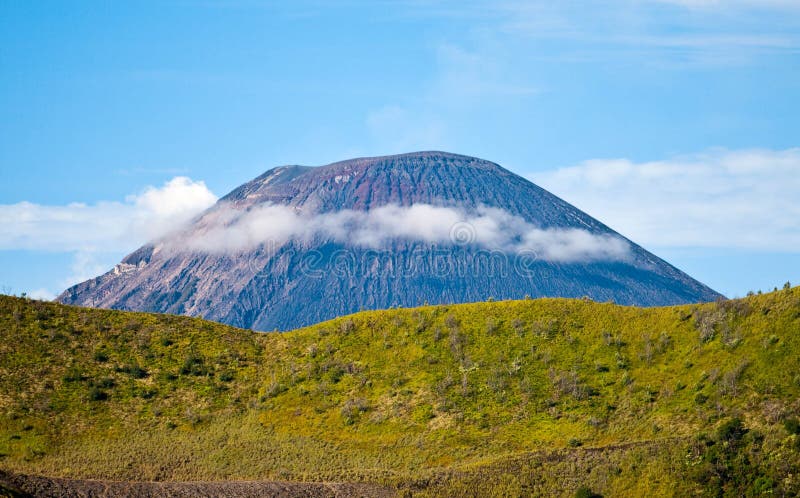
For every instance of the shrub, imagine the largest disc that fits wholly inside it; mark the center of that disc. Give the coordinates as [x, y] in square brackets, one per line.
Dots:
[193, 417]
[334, 371]
[707, 322]
[647, 352]
[194, 365]
[731, 338]
[731, 431]
[421, 322]
[519, 327]
[569, 384]
[585, 492]
[134, 371]
[274, 389]
[792, 425]
[106, 383]
[497, 380]
[424, 413]
[73, 375]
[729, 383]
[347, 326]
[97, 394]
[352, 408]
[457, 343]
[762, 486]
[399, 381]
[664, 342]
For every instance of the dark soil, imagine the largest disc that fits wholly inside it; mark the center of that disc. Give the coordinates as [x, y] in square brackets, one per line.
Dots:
[18, 486]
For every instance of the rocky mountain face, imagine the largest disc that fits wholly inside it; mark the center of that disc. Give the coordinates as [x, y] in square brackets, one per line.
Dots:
[300, 244]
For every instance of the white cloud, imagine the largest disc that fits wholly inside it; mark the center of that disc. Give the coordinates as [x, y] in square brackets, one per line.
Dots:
[97, 234]
[158, 211]
[87, 264]
[727, 4]
[686, 33]
[103, 226]
[43, 294]
[229, 230]
[732, 199]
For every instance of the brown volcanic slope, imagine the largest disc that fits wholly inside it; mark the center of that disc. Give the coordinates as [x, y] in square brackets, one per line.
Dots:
[268, 287]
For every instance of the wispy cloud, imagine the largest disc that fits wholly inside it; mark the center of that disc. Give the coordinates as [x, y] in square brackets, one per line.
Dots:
[732, 199]
[110, 225]
[96, 234]
[664, 33]
[43, 294]
[504, 51]
[230, 230]
[464, 75]
[87, 264]
[396, 129]
[462, 79]
[729, 4]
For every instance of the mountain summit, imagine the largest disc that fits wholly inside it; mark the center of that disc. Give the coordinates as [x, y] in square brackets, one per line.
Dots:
[300, 244]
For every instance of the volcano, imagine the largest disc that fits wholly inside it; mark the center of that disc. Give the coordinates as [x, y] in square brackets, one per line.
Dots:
[301, 244]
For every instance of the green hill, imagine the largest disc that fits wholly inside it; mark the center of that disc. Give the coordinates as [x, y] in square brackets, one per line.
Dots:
[520, 397]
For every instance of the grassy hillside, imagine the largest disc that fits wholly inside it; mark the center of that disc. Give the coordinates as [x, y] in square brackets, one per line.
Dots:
[536, 396]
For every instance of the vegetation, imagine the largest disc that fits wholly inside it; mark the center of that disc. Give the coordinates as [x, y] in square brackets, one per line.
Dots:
[548, 396]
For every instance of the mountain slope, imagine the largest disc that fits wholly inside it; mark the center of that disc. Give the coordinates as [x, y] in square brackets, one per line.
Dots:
[507, 239]
[513, 398]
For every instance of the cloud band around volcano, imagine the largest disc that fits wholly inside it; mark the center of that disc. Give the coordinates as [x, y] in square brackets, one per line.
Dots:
[226, 229]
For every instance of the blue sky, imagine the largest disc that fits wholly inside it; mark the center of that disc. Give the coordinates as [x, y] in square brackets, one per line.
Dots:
[674, 122]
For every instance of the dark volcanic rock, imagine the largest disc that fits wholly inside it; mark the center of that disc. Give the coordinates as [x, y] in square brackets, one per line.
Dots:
[22, 486]
[301, 282]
